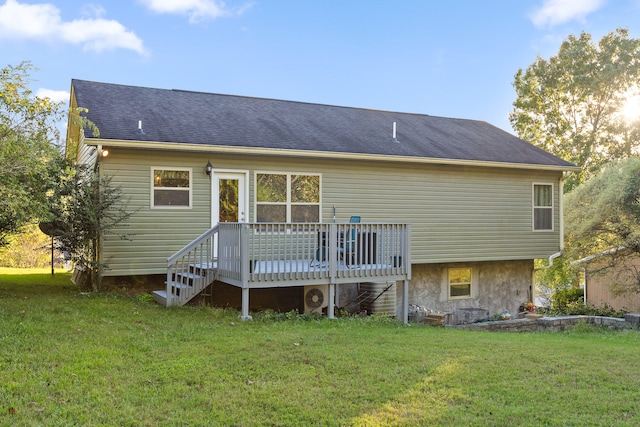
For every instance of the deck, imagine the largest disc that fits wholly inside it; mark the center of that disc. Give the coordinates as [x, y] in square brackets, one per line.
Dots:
[266, 255]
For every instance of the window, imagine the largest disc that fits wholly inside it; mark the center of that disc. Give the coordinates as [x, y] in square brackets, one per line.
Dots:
[170, 188]
[542, 207]
[459, 283]
[287, 197]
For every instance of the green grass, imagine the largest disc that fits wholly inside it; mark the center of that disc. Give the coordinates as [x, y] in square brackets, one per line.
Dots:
[72, 358]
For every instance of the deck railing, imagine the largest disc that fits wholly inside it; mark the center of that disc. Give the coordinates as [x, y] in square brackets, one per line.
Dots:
[258, 255]
[264, 255]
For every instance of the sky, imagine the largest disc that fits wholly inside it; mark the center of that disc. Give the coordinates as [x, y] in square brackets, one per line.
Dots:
[451, 58]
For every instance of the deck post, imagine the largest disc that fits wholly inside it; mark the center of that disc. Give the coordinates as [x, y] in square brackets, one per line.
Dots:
[244, 270]
[333, 252]
[169, 300]
[405, 302]
[245, 305]
[331, 305]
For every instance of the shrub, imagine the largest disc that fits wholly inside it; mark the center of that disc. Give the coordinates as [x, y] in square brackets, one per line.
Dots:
[561, 298]
[577, 308]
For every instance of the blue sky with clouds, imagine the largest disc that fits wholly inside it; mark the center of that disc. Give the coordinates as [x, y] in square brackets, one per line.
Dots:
[453, 58]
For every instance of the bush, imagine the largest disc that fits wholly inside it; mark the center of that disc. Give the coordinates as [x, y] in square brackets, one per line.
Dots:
[577, 308]
[562, 298]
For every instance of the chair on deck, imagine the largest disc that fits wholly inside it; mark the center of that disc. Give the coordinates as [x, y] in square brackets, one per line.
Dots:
[347, 246]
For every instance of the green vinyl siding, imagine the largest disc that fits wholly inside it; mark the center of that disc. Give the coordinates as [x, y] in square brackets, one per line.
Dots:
[154, 234]
[87, 155]
[458, 214]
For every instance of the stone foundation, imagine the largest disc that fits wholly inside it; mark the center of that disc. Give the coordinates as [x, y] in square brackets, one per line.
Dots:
[497, 287]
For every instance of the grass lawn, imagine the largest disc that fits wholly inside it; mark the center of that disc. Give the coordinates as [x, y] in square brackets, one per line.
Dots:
[72, 358]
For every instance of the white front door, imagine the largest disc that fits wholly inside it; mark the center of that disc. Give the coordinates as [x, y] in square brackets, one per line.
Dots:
[229, 197]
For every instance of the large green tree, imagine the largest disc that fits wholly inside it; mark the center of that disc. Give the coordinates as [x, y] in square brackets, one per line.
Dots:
[572, 103]
[603, 217]
[29, 150]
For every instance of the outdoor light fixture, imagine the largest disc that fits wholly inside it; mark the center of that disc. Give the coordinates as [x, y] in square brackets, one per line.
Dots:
[208, 168]
[105, 152]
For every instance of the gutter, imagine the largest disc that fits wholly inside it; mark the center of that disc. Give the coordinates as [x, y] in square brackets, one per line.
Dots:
[204, 148]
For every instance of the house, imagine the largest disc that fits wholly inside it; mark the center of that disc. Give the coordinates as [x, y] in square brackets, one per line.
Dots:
[608, 271]
[261, 193]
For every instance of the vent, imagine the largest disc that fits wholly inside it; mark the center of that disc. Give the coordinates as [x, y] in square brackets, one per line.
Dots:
[315, 298]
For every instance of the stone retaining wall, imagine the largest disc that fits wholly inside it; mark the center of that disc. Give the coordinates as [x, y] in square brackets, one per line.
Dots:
[630, 321]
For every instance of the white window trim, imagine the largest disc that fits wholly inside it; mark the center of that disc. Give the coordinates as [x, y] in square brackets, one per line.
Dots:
[288, 203]
[471, 284]
[153, 188]
[534, 207]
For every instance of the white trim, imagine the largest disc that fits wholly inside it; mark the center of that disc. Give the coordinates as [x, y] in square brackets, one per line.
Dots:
[534, 207]
[288, 203]
[244, 194]
[152, 170]
[212, 149]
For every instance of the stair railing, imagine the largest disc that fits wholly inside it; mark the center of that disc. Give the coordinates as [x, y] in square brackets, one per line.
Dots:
[192, 268]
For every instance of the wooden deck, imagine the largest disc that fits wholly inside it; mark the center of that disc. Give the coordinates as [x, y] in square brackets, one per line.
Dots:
[266, 255]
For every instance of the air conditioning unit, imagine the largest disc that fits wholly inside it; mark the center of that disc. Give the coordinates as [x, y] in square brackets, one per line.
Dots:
[316, 298]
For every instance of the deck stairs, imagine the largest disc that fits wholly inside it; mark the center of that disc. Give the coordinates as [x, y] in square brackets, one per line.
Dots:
[186, 285]
[189, 271]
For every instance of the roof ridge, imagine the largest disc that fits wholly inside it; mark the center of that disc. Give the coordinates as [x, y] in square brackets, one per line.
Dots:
[264, 98]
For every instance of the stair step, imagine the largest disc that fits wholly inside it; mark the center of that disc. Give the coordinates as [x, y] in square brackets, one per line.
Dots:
[192, 280]
[189, 280]
[160, 297]
[188, 275]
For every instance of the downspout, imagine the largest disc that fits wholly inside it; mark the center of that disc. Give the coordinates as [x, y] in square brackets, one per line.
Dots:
[561, 231]
[96, 164]
[96, 280]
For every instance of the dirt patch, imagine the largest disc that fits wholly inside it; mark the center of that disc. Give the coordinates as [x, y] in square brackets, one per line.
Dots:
[134, 285]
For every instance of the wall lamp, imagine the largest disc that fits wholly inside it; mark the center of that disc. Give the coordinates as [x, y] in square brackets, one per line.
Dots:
[104, 152]
[208, 168]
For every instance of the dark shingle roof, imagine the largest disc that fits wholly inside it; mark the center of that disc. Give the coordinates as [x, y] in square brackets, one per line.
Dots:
[223, 120]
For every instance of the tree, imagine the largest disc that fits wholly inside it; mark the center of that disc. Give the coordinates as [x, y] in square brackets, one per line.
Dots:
[572, 104]
[29, 248]
[551, 279]
[28, 150]
[603, 217]
[85, 208]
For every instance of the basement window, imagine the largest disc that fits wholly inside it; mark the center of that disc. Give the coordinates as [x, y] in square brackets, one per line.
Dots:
[542, 207]
[171, 188]
[459, 283]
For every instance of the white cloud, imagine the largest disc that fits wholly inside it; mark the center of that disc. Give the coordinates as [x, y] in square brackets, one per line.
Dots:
[54, 95]
[43, 22]
[100, 34]
[554, 12]
[196, 10]
[93, 10]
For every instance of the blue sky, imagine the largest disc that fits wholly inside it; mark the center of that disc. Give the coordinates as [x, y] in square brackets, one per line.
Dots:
[453, 58]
